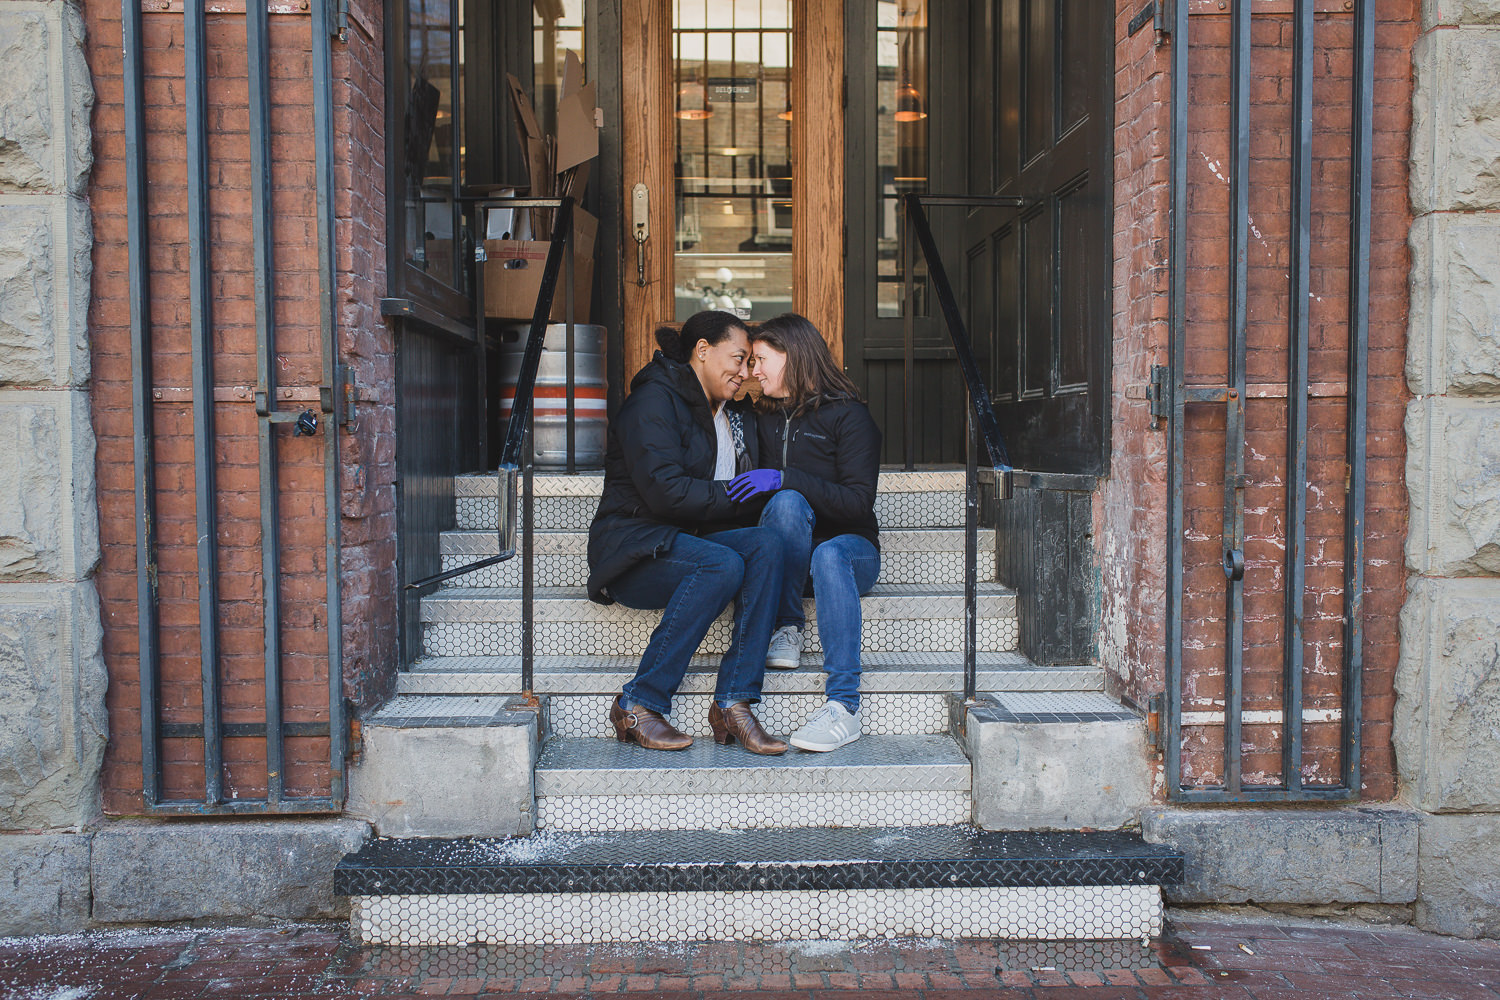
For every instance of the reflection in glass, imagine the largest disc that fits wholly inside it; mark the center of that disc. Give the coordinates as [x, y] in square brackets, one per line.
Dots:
[556, 29]
[901, 141]
[434, 138]
[732, 62]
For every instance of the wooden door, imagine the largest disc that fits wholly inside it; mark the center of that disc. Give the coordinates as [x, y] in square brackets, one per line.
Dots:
[719, 129]
[1038, 280]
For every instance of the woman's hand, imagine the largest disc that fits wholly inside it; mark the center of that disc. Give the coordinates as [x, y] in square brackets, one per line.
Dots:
[753, 483]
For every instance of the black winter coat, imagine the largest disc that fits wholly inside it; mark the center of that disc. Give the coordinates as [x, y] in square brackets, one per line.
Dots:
[831, 455]
[658, 473]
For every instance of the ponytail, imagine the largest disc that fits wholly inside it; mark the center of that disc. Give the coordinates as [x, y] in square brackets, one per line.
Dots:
[712, 325]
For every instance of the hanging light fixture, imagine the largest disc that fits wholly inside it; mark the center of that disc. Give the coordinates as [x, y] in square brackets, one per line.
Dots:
[786, 112]
[692, 101]
[909, 104]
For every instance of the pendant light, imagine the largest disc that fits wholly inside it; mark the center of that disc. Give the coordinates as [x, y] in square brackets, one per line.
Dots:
[693, 104]
[692, 101]
[786, 112]
[909, 104]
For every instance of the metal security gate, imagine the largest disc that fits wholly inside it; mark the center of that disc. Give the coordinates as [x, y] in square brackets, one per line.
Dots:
[1265, 397]
[184, 730]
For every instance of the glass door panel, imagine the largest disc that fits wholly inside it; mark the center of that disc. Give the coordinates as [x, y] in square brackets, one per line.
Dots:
[901, 144]
[732, 131]
[434, 138]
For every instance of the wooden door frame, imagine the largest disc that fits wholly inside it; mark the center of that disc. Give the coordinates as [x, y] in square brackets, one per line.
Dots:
[817, 170]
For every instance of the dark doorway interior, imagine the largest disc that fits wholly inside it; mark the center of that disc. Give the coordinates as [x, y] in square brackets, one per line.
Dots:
[1018, 102]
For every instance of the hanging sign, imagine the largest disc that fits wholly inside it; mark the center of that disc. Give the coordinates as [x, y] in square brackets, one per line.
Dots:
[733, 89]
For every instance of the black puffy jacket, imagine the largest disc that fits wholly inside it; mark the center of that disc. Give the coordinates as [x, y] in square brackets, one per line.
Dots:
[659, 473]
[831, 455]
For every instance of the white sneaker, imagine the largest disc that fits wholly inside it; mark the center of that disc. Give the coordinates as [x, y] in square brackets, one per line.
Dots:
[830, 727]
[785, 651]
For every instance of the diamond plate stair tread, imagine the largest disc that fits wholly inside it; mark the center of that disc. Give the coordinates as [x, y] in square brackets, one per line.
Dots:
[769, 859]
[583, 766]
[884, 601]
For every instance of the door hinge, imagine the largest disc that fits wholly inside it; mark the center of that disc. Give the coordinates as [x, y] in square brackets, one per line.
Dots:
[844, 95]
[1157, 394]
[1154, 704]
[846, 240]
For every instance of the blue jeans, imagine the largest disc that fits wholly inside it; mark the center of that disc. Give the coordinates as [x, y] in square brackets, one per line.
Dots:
[842, 568]
[693, 581]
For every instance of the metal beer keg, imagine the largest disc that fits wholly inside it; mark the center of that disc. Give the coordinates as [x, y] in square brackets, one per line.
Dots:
[549, 428]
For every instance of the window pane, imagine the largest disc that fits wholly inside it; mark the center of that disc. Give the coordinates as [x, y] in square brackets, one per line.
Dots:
[731, 71]
[433, 141]
[901, 141]
[557, 29]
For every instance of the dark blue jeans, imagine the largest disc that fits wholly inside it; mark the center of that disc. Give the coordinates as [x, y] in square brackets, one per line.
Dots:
[842, 568]
[693, 581]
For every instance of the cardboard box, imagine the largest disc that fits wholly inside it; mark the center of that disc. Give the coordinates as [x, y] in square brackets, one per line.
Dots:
[513, 274]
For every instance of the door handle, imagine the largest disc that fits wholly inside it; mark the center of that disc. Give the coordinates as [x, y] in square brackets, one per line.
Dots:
[640, 228]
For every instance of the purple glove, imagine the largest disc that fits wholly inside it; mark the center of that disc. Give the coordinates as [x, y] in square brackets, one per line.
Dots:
[753, 483]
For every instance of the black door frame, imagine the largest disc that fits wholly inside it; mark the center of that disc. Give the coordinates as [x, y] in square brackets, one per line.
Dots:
[1064, 429]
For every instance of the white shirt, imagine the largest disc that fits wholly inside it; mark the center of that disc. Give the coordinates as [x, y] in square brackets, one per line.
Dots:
[724, 464]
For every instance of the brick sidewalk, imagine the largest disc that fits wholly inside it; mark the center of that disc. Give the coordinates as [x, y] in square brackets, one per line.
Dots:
[1197, 958]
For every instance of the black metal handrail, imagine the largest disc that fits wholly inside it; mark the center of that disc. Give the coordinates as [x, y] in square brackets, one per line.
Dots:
[979, 414]
[516, 460]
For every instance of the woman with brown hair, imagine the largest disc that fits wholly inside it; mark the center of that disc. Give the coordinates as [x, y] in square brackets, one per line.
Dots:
[667, 536]
[820, 456]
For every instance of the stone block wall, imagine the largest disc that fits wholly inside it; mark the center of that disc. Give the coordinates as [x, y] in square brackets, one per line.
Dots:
[1447, 724]
[52, 677]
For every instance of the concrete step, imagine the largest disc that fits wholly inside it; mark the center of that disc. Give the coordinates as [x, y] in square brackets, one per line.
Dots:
[486, 622]
[457, 765]
[772, 885]
[923, 499]
[603, 784]
[907, 555]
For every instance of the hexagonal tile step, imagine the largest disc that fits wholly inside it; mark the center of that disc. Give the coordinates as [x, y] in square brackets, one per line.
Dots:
[485, 622]
[907, 555]
[784, 884]
[924, 499]
[603, 784]
[890, 671]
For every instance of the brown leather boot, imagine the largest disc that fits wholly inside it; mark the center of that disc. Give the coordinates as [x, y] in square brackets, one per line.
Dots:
[646, 727]
[737, 722]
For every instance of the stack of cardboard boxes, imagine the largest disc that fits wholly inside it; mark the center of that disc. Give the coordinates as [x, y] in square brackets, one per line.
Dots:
[558, 165]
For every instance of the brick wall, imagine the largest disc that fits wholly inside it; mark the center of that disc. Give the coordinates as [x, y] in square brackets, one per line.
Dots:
[1133, 506]
[367, 501]
[1130, 511]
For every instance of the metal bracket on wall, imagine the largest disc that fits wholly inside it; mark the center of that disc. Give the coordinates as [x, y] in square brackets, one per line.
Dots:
[1146, 13]
[1154, 393]
[1160, 405]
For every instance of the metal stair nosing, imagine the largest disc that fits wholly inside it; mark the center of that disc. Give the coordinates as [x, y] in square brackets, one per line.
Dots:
[706, 860]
